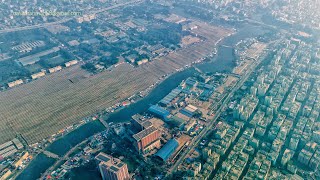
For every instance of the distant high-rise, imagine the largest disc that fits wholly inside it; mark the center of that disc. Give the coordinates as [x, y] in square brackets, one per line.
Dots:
[112, 168]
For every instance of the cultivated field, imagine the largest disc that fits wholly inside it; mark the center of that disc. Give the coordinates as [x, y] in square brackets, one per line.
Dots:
[43, 107]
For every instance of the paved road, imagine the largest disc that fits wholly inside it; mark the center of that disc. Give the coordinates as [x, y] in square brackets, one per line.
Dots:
[67, 19]
[50, 154]
[261, 23]
[224, 104]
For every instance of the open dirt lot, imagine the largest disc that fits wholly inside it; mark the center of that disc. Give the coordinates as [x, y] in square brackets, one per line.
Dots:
[43, 107]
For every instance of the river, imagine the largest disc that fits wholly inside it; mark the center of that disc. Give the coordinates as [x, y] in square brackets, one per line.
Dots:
[37, 166]
[224, 61]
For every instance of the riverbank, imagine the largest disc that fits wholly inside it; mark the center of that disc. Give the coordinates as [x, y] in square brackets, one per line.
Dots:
[62, 145]
[223, 61]
[37, 166]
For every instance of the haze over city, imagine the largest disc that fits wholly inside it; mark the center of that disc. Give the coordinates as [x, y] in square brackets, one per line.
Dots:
[159, 89]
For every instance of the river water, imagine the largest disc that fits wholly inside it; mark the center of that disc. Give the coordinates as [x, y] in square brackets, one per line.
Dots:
[223, 62]
[37, 166]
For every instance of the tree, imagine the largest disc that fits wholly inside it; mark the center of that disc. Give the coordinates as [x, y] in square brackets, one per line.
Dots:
[109, 60]
[89, 67]
[198, 114]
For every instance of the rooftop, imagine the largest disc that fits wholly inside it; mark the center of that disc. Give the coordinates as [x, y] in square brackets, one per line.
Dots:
[103, 157]
[140, 120]
[144, 133]
[110, 162]
[159, 110]
[166, 151]
[174, 93]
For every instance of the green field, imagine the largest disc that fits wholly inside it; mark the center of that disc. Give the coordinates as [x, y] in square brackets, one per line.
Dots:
[34, 68]
[55, 61]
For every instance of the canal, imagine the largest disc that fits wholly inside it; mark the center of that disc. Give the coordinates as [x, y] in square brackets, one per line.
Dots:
[224, 61]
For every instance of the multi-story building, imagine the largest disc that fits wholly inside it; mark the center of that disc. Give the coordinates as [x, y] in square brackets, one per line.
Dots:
[147, 139]
[112, 168]
[140, 123]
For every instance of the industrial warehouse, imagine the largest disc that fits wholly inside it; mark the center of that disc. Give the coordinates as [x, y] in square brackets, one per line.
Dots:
[160, 90]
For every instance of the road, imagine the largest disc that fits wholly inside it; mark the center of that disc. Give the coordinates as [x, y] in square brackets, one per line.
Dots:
[50, 154]
[61, 159]
[210, 126]
[67, 19]
[261, 23]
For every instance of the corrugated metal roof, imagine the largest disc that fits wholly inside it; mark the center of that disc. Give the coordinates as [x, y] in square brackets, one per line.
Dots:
[191, 81]
[4, 145]
[171, 96]
[166, 151]
[159, 110]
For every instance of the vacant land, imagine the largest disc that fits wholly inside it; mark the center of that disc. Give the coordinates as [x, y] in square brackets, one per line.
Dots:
[255, 50]
[43, 107]
[187, 40]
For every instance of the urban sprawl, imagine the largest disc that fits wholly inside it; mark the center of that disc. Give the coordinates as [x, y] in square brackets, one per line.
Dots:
[62, 78]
